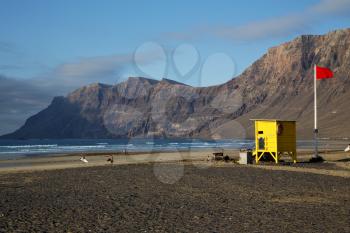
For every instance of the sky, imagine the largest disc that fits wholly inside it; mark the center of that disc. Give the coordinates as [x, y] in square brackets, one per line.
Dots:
[49, 48]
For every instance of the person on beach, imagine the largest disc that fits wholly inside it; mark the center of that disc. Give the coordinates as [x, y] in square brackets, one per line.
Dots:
[110, 159]
[347, 149]
[83, 159]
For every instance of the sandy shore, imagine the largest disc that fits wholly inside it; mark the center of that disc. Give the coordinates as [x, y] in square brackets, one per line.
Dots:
[174, 192]
[339, 160]
[144, 198]
[47, 162]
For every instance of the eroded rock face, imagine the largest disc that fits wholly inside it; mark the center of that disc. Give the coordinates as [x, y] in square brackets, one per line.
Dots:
[278, 85]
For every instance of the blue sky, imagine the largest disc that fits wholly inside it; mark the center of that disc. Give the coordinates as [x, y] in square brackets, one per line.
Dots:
[46, 34]
[53, 47]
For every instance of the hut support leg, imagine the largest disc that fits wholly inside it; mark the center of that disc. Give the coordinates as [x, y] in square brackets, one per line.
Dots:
[257, 157]
[275, 157]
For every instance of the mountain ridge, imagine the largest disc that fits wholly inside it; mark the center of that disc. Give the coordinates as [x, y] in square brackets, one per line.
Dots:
[277, 85]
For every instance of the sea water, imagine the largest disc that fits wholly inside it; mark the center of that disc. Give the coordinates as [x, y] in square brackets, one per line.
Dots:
[32, 147]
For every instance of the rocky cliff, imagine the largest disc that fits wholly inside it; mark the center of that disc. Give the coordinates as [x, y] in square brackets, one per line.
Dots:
[278, 85]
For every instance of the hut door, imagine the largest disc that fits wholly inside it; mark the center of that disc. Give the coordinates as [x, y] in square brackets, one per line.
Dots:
[261, 140]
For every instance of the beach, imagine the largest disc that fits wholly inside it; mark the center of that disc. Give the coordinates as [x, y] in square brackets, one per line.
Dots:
[216, 117]
[173, 192]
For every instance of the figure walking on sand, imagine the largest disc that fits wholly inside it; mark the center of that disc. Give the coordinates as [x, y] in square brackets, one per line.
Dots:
[110, 159]
[83, 159]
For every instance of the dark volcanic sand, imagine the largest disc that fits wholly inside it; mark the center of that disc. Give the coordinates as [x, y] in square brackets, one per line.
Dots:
[129, 198]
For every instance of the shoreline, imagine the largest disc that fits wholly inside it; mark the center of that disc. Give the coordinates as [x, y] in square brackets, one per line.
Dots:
[338, 158]
[72, 160]
[50, 147]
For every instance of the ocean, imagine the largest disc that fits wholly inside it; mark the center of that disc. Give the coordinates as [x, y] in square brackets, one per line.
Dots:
[33, 147]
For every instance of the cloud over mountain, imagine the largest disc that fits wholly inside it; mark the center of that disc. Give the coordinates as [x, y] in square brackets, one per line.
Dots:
[273, 27]
[20, 98]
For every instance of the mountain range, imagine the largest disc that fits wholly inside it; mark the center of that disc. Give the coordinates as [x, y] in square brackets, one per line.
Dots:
[278, 85]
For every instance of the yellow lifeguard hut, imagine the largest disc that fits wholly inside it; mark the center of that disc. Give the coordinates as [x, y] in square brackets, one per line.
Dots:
[273, 138]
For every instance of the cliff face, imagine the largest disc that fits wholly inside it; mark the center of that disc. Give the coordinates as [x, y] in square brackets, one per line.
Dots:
[278, 85]
[283, 78]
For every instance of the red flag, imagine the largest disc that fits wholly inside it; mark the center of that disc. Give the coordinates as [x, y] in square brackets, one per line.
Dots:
[322, 72]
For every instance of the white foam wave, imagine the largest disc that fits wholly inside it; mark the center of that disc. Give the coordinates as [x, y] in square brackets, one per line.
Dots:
[28, 146]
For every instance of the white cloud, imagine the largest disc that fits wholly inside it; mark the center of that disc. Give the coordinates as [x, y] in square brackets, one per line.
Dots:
[331, 7]
[21, 98]
[91, 66]
[103, 69]
[262, 29]
[281, 26]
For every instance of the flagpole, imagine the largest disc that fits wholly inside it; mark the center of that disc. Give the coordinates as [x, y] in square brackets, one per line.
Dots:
[315, 115]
